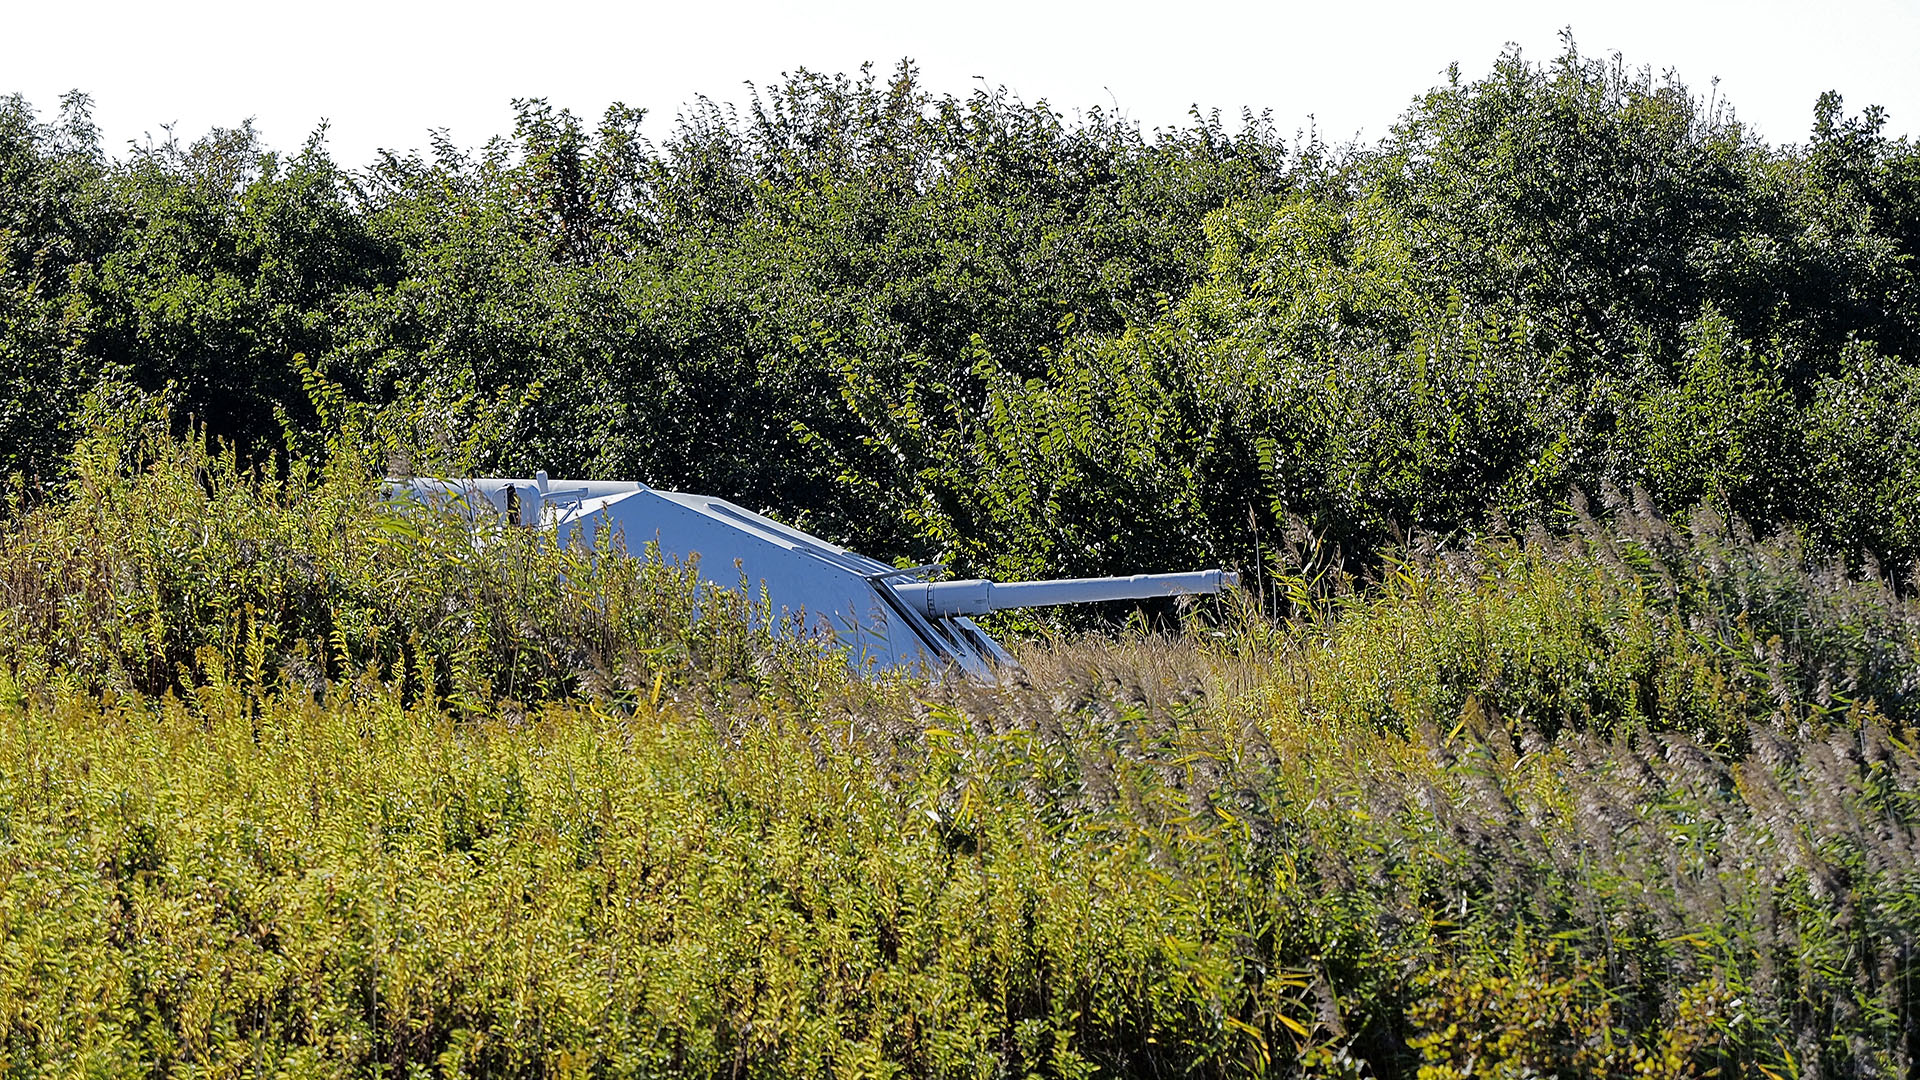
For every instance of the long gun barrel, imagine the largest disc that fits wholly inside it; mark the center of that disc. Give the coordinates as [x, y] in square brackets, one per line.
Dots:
[944, 599]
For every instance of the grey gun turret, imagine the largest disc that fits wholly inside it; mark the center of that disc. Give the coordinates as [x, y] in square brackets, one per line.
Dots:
[886, 617]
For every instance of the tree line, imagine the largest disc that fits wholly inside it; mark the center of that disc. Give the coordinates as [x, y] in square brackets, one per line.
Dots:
[977, 330]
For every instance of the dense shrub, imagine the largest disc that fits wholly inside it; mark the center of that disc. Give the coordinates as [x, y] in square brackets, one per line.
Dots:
[163, 566]
[1626, 623]
[981, 331]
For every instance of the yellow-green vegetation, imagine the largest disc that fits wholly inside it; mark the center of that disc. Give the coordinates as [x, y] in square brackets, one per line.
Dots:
[297, 782]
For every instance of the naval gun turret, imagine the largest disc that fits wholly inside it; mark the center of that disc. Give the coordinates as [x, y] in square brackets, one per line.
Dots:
[885, 616]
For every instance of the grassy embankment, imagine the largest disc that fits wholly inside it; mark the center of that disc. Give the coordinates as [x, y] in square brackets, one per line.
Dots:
[294, 785]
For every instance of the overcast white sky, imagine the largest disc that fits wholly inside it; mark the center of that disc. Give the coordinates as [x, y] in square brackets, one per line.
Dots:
[384, 72]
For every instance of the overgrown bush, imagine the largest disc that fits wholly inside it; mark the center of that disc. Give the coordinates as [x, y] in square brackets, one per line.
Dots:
[164, 565]
[1628, 622]
[1021, 341]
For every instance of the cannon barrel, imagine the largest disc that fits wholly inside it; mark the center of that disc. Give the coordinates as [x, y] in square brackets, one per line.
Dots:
[943, 599]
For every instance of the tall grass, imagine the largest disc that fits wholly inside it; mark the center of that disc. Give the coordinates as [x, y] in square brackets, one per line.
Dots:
[1627, 621]
[165, 566]
[294, 783]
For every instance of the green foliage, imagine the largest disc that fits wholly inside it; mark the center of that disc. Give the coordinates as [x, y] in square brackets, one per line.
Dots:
[1726, 428]
[1524, 1009]
[980, 331]
[231, 262]
[51, 224]
[690, 311]
[1554, 279]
